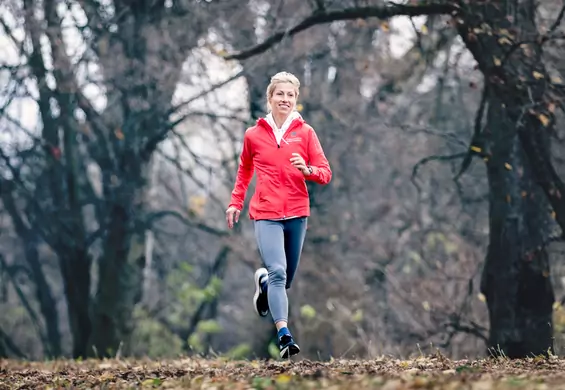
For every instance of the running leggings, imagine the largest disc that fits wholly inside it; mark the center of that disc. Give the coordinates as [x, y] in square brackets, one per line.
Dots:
[280, 245]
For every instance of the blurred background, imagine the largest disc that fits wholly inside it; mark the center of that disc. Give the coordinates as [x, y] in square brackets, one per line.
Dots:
[120, 130]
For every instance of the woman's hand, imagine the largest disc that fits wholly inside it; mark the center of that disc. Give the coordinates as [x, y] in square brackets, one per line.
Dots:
[300, 164]
[232, 216]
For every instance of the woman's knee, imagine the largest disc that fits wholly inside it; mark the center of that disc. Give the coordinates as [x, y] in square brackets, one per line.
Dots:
[277, 275]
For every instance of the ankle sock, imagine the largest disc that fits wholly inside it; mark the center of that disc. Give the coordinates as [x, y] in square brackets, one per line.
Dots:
[283, 332]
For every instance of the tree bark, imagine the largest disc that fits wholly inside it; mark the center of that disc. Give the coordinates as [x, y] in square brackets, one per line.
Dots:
[120, 284]
[515, 278]
[503, 38]
[120, 274]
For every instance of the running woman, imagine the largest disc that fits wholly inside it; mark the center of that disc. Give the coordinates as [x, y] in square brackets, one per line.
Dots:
[285, 152]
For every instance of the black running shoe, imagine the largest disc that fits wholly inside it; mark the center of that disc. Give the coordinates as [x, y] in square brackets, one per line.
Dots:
[287, 346]
[260, 301]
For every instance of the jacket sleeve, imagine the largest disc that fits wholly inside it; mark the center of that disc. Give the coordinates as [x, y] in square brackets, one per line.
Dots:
[321, 171]
[244, 175]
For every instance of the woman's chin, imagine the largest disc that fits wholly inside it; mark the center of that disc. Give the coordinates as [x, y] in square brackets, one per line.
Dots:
[283, 111]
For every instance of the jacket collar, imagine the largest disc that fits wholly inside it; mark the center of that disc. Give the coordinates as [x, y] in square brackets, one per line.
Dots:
[263, 122]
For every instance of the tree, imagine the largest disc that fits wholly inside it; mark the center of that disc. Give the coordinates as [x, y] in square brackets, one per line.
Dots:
[48, 188]
[520, 99]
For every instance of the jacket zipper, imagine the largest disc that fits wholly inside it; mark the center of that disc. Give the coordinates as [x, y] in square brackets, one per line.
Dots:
[291, 127]
[285, 203]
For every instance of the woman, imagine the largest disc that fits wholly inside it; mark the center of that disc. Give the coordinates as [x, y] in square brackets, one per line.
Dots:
[285, 152]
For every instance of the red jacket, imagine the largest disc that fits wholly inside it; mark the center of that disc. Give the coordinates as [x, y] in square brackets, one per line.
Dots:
[281, 188]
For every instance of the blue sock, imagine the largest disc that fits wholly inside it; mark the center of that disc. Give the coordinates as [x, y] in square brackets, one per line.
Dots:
[283, 332]
[264, 284]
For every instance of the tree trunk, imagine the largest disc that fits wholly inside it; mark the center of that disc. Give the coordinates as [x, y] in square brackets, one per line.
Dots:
[141, 64]
[120, 283]
[43, 292]
[502, 37]
[515, 278]
[75, 269]
[59, 220]
[141, 78]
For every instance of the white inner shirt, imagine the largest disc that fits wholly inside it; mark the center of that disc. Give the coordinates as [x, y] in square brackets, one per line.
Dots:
[280, 132]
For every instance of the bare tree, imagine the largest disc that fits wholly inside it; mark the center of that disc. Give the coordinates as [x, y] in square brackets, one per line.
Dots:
[139, 50]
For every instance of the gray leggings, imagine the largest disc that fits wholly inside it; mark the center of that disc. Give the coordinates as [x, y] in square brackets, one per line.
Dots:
[280, 245]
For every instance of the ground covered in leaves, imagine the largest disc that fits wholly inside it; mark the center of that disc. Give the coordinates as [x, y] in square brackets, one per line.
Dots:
[421, 373]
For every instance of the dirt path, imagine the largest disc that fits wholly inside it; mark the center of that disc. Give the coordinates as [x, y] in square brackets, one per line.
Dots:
[388, 374]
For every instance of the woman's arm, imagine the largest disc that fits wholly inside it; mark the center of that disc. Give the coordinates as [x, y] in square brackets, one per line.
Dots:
[244, 175]
[321, 171]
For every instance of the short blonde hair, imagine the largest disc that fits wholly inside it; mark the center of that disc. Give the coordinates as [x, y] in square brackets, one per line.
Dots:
[279, 78]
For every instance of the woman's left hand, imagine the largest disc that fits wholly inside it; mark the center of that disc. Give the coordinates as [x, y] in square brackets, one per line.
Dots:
[300, 164]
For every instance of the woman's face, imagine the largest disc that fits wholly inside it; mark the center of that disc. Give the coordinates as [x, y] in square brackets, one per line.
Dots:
[283, 99]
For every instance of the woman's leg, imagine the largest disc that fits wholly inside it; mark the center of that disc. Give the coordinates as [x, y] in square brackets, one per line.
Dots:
[270, 241]
[294, 234]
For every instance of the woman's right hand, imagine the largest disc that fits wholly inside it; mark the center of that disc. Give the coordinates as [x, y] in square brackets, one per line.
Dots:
[232, 216]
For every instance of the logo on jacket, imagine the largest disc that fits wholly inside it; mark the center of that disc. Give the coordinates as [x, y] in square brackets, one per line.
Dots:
[293, 137]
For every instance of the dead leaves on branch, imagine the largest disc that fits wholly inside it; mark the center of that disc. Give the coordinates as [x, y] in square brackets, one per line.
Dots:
[434, 372]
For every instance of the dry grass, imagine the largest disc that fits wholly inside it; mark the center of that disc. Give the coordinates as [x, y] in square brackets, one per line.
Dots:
[434, 372]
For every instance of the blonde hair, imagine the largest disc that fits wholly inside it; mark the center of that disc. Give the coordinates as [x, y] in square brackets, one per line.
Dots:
[279, 78]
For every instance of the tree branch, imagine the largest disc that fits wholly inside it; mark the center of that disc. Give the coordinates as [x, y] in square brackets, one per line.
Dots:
[474, 148]
[321, 17]
[28, 307]
[10, 345]
[152, 217]
[456, 326]
[426, 160]
[161, 133]
[557, 22]
[217, 269]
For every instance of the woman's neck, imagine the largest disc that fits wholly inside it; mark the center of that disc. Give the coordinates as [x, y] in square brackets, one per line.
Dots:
[279, 119]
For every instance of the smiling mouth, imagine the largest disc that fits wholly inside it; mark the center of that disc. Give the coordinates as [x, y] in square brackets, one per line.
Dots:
[284, 105]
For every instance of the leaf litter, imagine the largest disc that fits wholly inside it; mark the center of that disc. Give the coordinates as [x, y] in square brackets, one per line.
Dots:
[434, 372]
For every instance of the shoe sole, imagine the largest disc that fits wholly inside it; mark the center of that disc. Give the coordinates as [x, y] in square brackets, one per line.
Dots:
[289, 351]
[258, 275]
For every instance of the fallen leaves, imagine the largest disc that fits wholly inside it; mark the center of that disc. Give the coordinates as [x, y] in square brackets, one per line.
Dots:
[434, 372]
[543, 119]
[119, 134]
